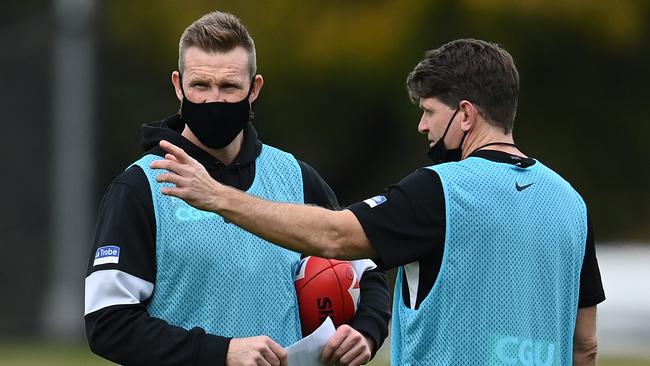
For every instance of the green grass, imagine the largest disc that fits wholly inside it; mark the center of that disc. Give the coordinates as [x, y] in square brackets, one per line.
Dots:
[48, 354]
[623, 362]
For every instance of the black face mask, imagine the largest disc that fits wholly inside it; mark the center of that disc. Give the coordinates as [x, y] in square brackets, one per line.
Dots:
[440, 154]
[216, 124]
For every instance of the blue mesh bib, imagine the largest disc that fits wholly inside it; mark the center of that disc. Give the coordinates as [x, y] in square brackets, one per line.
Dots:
[216, 276]
[507, 290]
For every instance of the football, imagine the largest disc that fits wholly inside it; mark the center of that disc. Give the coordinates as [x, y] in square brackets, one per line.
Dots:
[326, 288]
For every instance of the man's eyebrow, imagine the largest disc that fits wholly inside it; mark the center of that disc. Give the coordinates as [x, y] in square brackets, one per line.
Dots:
[229, 81]
[194, 78]
[426, 109]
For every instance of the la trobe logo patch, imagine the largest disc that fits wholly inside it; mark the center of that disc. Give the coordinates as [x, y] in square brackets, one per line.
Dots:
[375, 201]
[107, 254]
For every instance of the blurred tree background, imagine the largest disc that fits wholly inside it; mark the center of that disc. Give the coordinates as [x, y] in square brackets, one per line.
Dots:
[334, 96]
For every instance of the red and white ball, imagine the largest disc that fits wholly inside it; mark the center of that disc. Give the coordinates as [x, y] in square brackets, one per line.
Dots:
[326, 287]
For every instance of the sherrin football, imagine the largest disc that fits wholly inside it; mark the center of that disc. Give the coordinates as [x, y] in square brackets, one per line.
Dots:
[326, 287]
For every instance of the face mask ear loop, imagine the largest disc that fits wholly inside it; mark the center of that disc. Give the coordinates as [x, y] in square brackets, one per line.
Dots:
[442, 139]
[180, 80]
[250, 90]
[463, 138]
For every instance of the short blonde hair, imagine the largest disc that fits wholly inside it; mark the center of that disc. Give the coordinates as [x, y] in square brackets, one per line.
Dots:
[217, 32]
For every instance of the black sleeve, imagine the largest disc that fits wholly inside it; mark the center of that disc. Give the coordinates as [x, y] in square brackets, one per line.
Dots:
[591, 286]
[122, 332]
[316, 190]
[407, 221]
[127, 335]
[373, 312]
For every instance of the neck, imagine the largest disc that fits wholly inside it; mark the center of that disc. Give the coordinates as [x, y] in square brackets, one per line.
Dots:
[490, 135]
[226, 154]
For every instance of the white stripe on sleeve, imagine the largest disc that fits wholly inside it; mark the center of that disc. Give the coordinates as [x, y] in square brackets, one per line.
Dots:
[362, 265]
[112, 287]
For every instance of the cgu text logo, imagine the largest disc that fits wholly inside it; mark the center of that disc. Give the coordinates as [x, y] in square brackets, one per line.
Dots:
[523, 352]
[189, 213]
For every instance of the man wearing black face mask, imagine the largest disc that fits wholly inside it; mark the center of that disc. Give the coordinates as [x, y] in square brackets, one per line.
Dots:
[495, 250]
[171, 285]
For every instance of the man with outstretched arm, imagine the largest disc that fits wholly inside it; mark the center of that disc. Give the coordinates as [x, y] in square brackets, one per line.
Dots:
[495, 250]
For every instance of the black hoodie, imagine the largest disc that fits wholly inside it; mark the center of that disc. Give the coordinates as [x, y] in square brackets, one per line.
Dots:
[126, 333]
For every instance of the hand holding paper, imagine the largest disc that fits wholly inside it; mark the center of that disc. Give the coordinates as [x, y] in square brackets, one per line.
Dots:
[306, 352]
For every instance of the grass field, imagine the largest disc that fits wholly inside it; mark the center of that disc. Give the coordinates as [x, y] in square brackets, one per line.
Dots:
[38, 354]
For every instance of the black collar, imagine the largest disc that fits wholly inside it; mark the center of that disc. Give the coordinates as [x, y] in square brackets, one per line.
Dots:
[503, 157]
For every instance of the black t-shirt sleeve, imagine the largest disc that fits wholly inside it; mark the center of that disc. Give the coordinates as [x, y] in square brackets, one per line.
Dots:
[410, 222]
[125, 333]
[591, 286]
[126, 220]
[316, 190]
[373, 312]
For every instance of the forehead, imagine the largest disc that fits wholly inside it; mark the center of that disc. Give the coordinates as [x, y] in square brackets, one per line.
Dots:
[233, 63]
[431, 103]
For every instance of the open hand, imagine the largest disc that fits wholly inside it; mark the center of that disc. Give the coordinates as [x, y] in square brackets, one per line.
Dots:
[193, 183]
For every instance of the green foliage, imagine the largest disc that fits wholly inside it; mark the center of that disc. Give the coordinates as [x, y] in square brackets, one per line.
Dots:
[48, 354]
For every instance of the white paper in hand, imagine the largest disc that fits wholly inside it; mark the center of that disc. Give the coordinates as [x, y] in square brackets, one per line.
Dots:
[306, 352]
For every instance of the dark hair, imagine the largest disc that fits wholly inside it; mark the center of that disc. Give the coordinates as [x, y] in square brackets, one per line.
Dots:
[217, 32]
[473, 70]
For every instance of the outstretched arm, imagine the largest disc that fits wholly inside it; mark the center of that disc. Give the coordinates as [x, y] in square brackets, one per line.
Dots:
[373, 311]
[306, 229]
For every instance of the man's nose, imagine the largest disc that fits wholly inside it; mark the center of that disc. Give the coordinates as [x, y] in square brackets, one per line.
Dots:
[423, 127]
[214, 95]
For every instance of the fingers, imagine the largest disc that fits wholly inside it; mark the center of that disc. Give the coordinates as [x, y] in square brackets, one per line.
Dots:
[332, 345]
[279, 352]
[269, 357]
[361, 359]
[260, 350]
[346, 347]
[170, 157]
[166, 164]
[179, 154]
[270, 351]
[168, 178]
[173, 191]
[357, 355]
[175, 179]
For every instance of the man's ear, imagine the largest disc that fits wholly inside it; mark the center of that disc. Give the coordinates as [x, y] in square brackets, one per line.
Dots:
[469, 113]
[176, 82]
[258, 82]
